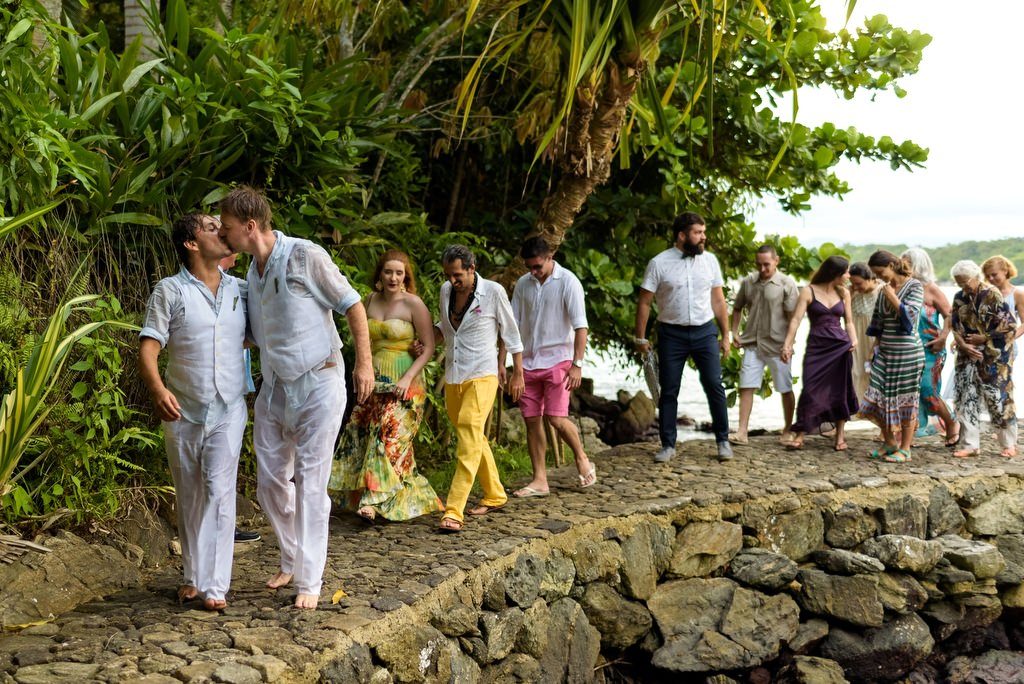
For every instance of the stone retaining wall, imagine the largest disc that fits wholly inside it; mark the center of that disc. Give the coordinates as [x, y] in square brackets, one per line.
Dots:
[866, 583]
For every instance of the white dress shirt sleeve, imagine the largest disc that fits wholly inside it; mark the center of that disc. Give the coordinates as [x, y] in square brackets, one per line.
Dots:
[310, 270]
[163, 312]
[651, 277]
[575, 303]
[716, 272]
[507, 327]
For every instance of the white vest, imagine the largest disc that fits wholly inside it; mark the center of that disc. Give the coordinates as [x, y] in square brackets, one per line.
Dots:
[205, 356]
[294, 333]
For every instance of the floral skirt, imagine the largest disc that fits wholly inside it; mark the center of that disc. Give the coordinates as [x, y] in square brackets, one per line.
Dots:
[373, 464]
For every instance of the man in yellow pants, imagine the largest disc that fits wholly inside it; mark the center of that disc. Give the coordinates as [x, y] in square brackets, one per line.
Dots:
[474, 313]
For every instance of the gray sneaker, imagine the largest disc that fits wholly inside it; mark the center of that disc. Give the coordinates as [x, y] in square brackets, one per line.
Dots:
[665, 454]
[724, 451]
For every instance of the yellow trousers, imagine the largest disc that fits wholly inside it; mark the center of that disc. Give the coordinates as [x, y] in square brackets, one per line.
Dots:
[468, 405]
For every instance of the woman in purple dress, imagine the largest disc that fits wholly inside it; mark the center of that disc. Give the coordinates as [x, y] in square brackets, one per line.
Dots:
[828, 396]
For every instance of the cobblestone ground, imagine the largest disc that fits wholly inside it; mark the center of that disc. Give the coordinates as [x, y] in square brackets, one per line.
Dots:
[384, 567]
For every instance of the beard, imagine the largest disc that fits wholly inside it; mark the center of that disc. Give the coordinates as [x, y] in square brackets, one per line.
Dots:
[690, 249]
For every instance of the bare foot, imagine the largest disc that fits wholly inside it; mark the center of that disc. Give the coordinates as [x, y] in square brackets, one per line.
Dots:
[279, 580]
[306, 601]
[215, 604]
[187, 592]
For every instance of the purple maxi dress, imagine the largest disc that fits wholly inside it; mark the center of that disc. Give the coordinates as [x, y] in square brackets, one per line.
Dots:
[828, 394]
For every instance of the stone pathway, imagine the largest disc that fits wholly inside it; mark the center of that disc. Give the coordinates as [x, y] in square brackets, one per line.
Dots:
[383, 568]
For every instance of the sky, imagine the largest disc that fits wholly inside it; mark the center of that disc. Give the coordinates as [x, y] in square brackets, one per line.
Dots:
[963, 104]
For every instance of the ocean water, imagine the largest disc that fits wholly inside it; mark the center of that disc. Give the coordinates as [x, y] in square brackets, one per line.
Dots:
[614, 372]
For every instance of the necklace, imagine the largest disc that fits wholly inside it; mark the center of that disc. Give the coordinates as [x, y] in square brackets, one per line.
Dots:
[455, 317]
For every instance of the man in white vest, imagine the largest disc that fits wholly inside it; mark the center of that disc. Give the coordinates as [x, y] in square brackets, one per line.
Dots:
[199, 316]
[293, 289]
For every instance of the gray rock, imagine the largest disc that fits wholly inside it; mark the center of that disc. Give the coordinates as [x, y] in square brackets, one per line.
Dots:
[720, 679]
[848, 526]
[992, 666]
[273, 640]
[1001, 514]
[498, 632]
[457, 620]
[795, 535]
[944, 616]
[39, 586]
[645, 554]
[56, 672]
[597, 561]
[533, 636]
[905, 515]
[703, 547]
[621, 622]
[808, 635]
[979, 611]
[951, 581]
[980, 559]
[271, 668]
[417, 653]
[202, 671]
[885, 652]
[852, 599]
[846, 562]
[559, 574]
[161, 663]
[354, 664]
[236, 673]
[713, 625]
[901, 552]
[762, 569]
[495, 594]
[574, 645]
[807, 670]
[517, 668]
[523, 582]
[1012, 548]
[977, 493]
[944, 515]
[901, 593]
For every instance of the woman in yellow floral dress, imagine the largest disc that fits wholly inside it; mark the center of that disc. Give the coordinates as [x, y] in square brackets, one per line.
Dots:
[374, 472]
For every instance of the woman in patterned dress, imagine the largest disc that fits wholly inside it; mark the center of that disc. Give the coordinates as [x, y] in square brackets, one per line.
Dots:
[892, 399]
[374, 471]
[984, 329]
[933, 328]
[863, 295]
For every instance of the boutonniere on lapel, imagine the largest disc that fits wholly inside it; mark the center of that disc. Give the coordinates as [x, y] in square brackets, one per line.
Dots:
[478, 310]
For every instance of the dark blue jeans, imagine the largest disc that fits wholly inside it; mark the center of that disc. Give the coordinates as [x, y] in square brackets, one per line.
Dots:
[677, 343]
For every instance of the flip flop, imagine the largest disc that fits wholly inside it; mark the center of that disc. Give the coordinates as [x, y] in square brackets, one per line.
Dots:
[898, 456]
[588, 479]
[484, 509]
[739, 442]
[527, 492]
[449, 526]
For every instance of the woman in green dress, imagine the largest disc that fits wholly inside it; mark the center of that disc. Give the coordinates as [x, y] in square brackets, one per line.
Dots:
[374, 472]
[891, 401]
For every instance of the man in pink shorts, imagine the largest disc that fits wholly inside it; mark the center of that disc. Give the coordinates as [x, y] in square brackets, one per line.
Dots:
[548, 304]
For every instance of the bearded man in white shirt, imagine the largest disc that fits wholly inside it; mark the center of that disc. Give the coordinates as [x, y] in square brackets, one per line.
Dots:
[475, 312]
[548, 303]
[687, 284]
[199, 316]
[293, 288]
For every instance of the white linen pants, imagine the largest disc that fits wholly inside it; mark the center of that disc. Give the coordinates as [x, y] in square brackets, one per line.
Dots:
[204, 467]
[294, 450]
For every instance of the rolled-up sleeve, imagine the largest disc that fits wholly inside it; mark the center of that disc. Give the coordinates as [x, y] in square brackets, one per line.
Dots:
[576, 304]
[161, 313]
[311, 268]
[506, 322]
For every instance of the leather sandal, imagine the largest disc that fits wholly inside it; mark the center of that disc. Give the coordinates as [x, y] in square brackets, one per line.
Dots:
[449, 526]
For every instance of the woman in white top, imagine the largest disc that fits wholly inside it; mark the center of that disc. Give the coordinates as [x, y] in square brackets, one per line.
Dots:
[998, 271]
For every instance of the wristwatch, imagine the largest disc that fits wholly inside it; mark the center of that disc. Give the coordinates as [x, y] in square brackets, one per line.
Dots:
[578, 363]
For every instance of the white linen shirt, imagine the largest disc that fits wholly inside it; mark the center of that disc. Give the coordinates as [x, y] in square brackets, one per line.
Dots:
[165, 315]
[682, 286]
[548, 315]
[472, 351]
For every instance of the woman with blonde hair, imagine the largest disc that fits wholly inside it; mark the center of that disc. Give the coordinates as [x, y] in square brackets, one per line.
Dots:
[933, 328]
[373, 471]
[998, 272]
[892, 399]
[983, 328]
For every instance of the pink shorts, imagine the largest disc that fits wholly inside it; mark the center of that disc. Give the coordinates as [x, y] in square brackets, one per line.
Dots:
[545, 393]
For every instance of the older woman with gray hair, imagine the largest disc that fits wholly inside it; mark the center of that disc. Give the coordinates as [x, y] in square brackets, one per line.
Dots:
[983, 328]
[933, 326]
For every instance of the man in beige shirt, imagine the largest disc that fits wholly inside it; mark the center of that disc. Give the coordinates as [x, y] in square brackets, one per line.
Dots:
[769, 298]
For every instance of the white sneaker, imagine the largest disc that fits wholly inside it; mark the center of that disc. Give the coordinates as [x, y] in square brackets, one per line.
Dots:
[665, 454]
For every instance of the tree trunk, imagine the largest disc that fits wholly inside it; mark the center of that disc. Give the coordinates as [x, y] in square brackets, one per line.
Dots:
[53, 8]
[226, 7]
[592, 133]
[135, 25]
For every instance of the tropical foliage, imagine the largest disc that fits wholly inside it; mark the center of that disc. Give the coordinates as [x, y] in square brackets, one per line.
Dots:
[374, 123]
